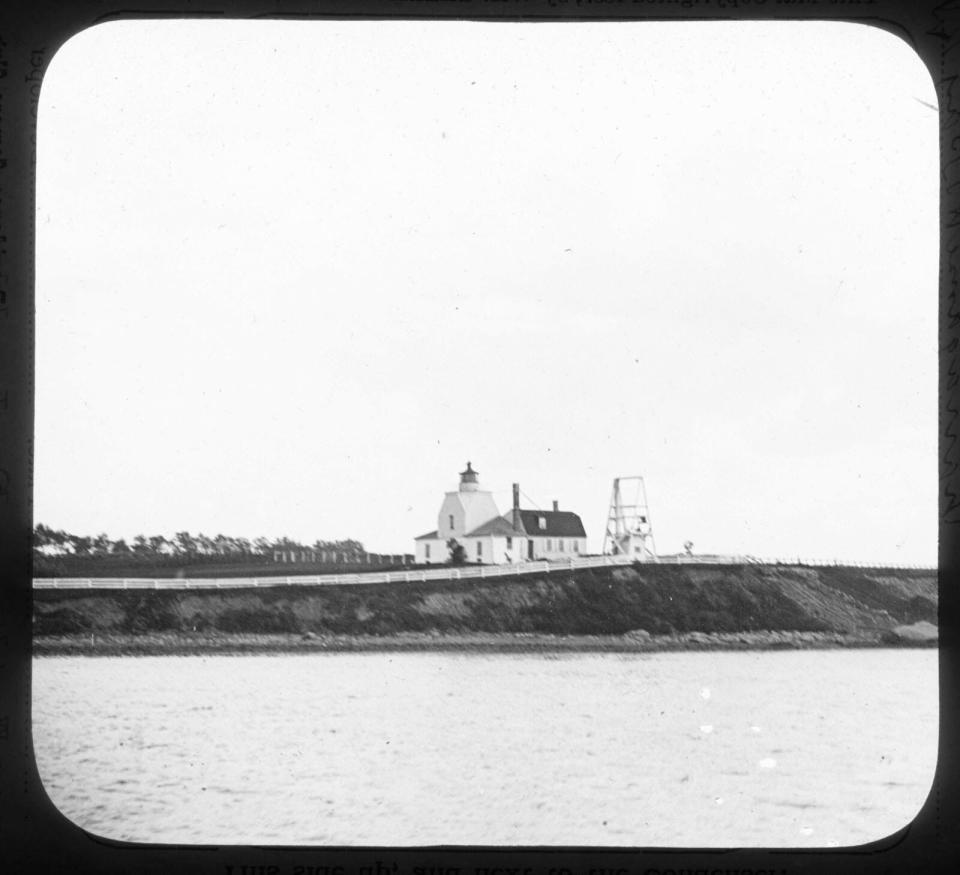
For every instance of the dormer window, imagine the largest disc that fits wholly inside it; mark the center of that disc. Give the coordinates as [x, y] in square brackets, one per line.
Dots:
[543, 523]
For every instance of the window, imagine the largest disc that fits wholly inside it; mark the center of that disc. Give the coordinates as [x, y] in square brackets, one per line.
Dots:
[549, 545]
[509, 543]
[543, 523]
[452, 527]
[576, 546]
[560, 544]
[426, 550]
[479, 549]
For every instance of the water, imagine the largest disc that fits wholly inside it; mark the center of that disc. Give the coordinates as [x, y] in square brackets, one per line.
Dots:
[803, 748]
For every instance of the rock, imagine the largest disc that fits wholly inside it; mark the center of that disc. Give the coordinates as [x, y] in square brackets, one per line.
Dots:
[637, 635]
[916, 633]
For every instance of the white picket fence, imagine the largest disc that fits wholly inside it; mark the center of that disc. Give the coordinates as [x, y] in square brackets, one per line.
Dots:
[422, 575]
[469, 572]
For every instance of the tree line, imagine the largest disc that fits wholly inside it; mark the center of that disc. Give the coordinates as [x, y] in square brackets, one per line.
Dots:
[56, 542]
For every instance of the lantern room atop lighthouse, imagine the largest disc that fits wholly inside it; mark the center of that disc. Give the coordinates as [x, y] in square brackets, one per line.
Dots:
[468, 480]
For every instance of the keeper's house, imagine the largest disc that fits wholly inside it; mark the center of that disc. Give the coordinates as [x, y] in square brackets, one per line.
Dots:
[470, 517]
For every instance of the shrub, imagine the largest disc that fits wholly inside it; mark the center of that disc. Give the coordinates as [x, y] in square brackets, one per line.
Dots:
[150, 612]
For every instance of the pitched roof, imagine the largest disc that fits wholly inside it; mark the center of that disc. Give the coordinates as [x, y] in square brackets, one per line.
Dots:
[499, 525]
[558, 523]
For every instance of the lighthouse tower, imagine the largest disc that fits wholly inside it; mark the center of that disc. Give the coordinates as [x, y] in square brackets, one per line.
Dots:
[467, 508]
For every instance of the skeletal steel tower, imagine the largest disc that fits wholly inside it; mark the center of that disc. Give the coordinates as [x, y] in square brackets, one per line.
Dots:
[629, 531]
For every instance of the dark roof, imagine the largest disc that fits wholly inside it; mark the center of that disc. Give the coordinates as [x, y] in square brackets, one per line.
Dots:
[499, 525]
[559, 524]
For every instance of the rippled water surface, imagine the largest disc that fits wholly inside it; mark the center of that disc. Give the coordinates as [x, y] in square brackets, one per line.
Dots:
[768, 748]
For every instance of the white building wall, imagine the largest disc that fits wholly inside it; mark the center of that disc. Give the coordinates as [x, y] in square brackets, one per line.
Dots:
[451, 507]
[439, 553]
[515, 552]
[552, 548]
[496, 552]
[484, 554]
[469, 510]
[479, 508]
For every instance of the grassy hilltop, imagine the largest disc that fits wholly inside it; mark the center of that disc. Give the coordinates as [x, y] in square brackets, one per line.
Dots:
[642, 602]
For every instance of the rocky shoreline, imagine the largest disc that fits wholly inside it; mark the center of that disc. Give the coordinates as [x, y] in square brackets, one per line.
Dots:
[193, 644]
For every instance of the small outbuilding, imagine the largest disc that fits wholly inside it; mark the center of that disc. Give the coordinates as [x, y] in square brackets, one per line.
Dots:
[470, 517]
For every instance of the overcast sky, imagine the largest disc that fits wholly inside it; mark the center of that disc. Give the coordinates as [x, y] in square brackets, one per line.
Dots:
[292, 276]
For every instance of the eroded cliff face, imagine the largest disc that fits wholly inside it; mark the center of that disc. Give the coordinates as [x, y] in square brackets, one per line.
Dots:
[660, 599]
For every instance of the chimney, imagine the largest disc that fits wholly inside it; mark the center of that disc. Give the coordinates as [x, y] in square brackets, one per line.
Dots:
[515, 517]
[556, 505]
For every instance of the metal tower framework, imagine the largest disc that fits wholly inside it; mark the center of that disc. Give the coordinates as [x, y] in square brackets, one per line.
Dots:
[628, 522]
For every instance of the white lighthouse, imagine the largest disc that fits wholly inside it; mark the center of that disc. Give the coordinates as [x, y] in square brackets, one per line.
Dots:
[466, 509]
[470, 517]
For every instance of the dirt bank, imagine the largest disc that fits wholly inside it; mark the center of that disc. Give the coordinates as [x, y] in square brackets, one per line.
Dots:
[666, 603]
